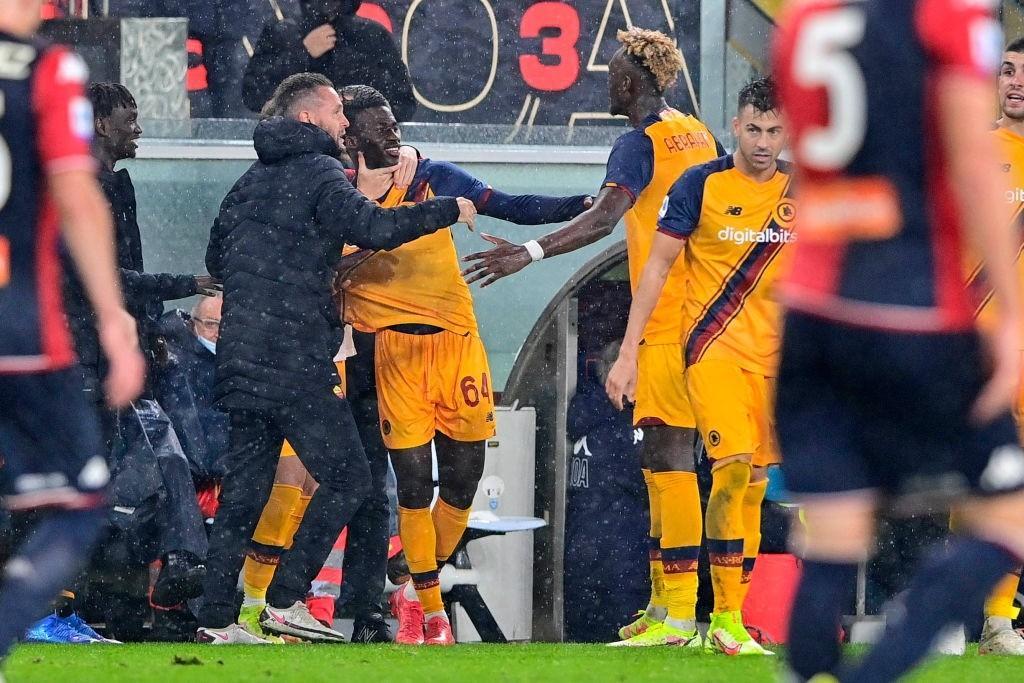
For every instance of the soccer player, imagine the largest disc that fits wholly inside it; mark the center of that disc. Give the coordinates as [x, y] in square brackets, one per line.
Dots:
[998, 635]
[733, 216]
[54, 472]
[433, 381]
[884, 386]
[642, 166]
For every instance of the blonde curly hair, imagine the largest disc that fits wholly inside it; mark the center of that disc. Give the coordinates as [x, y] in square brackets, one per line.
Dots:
[656, 51]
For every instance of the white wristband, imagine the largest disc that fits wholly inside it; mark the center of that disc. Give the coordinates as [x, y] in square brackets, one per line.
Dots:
[534, 249]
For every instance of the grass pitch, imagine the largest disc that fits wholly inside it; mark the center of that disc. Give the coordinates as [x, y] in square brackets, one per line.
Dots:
[161, 663]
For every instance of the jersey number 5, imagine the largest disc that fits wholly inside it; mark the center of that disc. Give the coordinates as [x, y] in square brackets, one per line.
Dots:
[5, 163]
[822, 60]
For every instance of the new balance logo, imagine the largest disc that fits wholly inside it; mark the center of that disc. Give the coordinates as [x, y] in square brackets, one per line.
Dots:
[734, 211]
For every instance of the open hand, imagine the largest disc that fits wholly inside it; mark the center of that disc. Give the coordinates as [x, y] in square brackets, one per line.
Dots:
[504, 259]
[374, 182]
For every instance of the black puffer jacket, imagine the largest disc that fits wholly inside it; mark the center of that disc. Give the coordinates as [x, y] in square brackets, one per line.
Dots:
[274, 245]
[364, 54]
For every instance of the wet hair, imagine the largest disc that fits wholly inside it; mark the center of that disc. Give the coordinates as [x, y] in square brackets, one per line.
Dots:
[358, 98]
[760, 94]
[106, 97]
[293, 91]
[654, 52]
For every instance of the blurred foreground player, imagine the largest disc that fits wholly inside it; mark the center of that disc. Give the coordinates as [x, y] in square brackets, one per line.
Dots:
[998, 637]
[642, 166]
[54, 472]
[885, 392]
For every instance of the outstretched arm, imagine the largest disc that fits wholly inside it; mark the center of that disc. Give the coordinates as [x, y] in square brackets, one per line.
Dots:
[588, 227]
[532, 209]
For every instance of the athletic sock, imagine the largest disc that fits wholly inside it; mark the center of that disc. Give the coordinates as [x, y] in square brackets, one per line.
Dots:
[725, 534]
[273, 532]
[818, 606]
[419, 541]
[656, 607]
[752, 501]
[950, 588]
[1000, 601]
[449, 525]
[681, 530]
[430, 615]
[298, 513]
[56, 548]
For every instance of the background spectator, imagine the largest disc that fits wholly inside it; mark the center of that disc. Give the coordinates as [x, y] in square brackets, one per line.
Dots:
[184, 386]
[606, 518]
[328, 38]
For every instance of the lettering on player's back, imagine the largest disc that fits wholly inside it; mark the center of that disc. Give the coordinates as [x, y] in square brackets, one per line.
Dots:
[15, 59]
[684, 143]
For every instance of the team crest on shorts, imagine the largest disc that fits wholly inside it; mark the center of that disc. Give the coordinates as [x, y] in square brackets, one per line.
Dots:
[714, 438]
[489, 418]
[385, 427]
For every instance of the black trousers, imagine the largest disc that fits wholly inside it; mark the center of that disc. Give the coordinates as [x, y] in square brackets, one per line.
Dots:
[321, 428]
[366, 555]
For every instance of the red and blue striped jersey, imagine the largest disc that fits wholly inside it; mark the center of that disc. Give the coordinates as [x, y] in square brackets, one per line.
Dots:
[881, 243]
[45, 128]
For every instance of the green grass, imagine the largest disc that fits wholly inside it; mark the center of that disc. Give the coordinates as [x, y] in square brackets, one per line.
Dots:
[467, 664]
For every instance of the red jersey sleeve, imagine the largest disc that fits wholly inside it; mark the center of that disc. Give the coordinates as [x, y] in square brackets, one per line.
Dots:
[962, 35]
[63, 114]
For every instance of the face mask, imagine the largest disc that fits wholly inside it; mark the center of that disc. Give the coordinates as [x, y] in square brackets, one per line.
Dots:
[207, 344]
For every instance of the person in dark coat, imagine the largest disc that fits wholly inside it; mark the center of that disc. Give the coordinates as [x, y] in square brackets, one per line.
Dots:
[274, 245]
[184, 387]
[149, 472]
[331, 40]
[117, 129]
[606, 568]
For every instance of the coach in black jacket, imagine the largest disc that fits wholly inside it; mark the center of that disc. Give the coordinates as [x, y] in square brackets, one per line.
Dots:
[331, 40]
[279, 234]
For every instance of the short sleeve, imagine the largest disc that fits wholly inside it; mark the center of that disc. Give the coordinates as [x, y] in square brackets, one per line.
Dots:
[448, 180]
[630, 164]
[680, 211]
[64, 115]
[961, 34]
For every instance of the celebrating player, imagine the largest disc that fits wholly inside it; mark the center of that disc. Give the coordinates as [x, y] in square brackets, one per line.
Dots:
[733, 216]
[884, 386]
[433, 381]
[53, 464]
[998, 635]
[641, 168]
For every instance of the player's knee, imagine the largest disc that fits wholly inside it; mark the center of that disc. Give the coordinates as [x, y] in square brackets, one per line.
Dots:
[835, 530]
[669, 449]
[758, 474]
[459, 494]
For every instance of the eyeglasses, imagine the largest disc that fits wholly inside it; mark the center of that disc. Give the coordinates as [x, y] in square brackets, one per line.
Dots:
[208, 323]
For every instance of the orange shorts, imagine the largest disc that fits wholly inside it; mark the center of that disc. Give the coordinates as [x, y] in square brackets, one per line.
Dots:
[661, 397]
[432, 382]
[735, 411]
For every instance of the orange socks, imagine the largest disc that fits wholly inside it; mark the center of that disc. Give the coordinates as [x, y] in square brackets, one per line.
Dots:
[419, 540]
[449, 525]
[1000, 602]
[681, 529]
[657, 602]
[725, 534]
[273, 533]
[751, 531]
